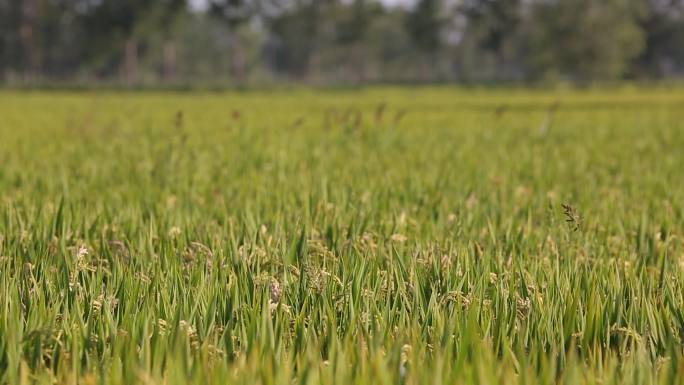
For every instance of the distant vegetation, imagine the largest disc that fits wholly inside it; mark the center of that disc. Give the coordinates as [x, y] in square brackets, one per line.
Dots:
[257, 42]
[378, 236]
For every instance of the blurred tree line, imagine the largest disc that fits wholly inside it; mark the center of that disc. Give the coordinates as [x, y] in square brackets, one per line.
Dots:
[142, 42]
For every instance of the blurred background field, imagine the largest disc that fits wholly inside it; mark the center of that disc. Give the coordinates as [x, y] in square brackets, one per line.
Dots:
[243, 43]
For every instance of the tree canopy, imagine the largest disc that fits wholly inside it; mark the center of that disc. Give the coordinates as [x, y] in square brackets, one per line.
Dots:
[338, 41]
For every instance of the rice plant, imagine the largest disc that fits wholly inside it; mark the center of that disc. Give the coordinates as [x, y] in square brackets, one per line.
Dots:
[371, 236]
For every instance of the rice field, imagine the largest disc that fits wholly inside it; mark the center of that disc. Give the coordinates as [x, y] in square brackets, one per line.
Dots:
[367, 236]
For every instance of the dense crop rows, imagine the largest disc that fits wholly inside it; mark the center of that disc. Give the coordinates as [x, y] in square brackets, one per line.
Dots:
[387, 236]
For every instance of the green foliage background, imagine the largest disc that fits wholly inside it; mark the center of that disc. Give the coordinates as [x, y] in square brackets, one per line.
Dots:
[143, 43]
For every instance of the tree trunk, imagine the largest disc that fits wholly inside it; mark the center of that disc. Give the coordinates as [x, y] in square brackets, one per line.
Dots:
[27, 36]
[131, 62]
[358, 63]
[169, 70]
[237, 61]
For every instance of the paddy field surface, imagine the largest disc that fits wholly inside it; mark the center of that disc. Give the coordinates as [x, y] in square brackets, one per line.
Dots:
[367, 236]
